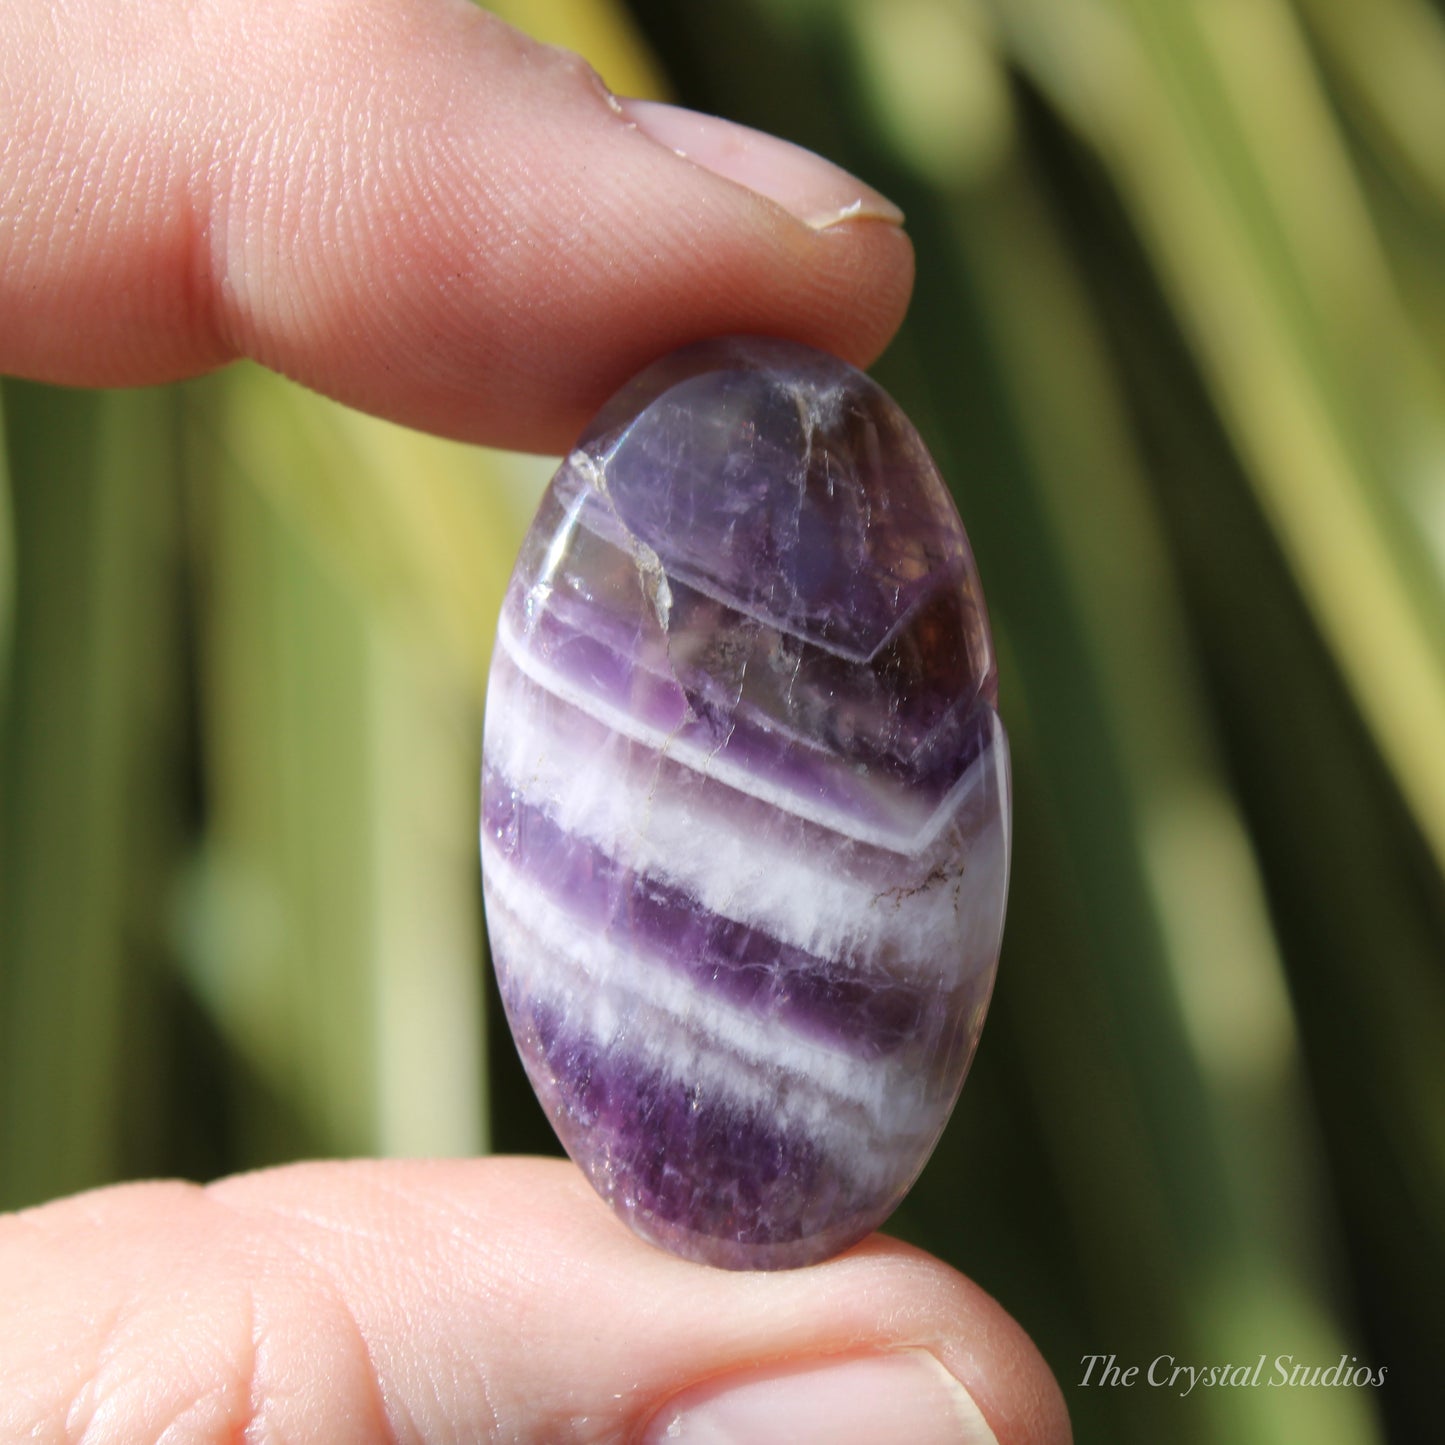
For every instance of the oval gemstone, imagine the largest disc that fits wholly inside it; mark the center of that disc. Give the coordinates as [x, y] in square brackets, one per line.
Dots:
[745, 798]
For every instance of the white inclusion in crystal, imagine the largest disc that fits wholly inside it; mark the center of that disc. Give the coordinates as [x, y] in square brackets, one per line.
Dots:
[605, 1019]
[758, 877]
[689, 1034]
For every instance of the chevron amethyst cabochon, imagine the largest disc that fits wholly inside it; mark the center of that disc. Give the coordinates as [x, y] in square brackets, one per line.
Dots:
[745, 804]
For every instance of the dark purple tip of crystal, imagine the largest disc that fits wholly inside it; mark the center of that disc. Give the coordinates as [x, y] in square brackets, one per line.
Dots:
[672, 1157]
[805, 497]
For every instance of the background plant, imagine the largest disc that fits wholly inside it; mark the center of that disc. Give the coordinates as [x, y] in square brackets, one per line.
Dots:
[1178, 344]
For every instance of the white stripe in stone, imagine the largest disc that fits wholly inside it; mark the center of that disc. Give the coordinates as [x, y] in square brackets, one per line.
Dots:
[657, 1046]
[689, 1034]
[800, 896]
[904, 839]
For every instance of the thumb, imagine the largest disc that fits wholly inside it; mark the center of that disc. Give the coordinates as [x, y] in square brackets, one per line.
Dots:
[405, 204]
[489, 1300]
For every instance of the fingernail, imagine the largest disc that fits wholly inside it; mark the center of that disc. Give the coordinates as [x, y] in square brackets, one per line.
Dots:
[816, 191]
[862, 1400]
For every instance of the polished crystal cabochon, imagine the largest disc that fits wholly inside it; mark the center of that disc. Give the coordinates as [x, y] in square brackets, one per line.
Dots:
[745, 804]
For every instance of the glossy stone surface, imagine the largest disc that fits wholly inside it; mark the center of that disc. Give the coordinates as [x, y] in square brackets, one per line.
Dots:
[745, 804]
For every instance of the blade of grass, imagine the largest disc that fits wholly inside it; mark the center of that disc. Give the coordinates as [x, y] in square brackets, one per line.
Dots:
[1201, 115]
[428, 1019]
[277, 913]
[398, 547]
[7, 559]
[1390, 56]
[1318, 483]
[1198, 1010]
[91, 809]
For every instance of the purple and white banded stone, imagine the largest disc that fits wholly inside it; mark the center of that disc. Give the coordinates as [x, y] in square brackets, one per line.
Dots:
[745, 824]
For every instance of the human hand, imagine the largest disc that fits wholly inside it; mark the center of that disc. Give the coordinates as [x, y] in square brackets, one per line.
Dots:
[417, 211]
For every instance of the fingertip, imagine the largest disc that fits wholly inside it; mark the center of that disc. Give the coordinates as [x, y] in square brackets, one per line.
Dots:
[558, 1262]
[980, 1344]
[845, 293]
[810, 188]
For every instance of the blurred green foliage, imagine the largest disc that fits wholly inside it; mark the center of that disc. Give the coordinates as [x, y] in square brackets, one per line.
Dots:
[1178, 343]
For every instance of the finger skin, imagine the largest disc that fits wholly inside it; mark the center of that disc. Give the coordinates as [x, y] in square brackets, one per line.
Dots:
[404, 204]
[489, 1300]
